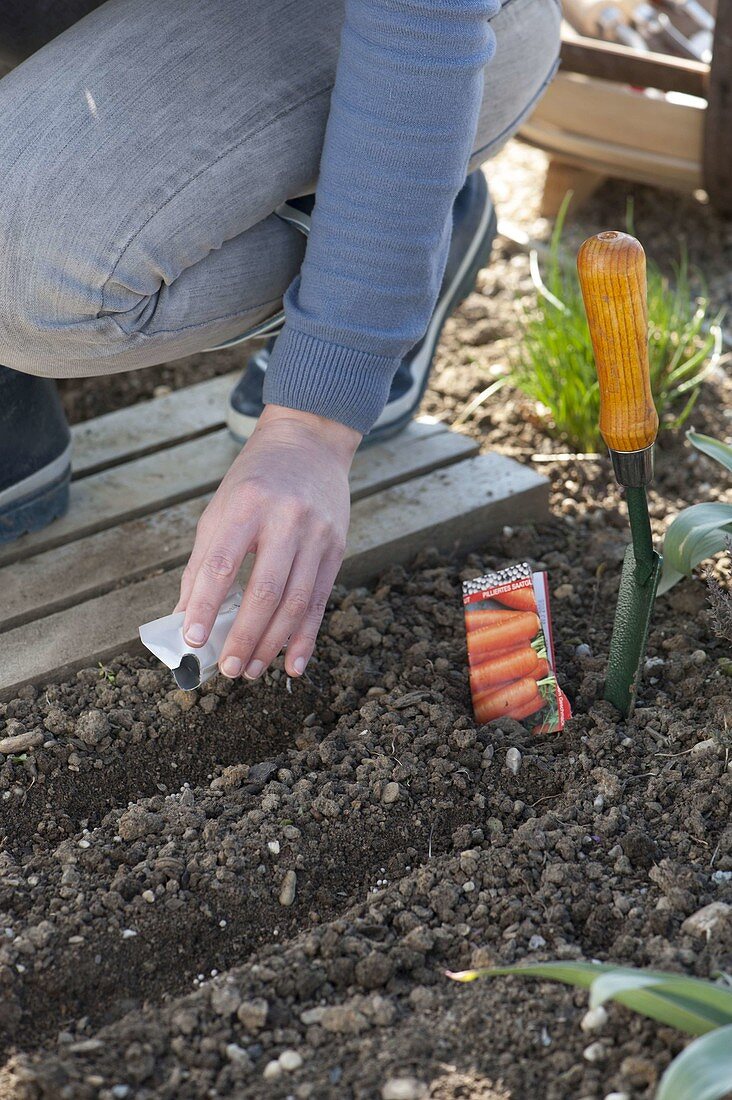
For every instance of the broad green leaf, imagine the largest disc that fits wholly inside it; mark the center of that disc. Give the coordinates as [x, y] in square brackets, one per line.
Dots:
[669, 577]
[695, 534]
[701, 1072]
[714, 448]
[688, 1004]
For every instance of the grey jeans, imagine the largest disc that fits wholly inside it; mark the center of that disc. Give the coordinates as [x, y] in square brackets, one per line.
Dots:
[144, 150]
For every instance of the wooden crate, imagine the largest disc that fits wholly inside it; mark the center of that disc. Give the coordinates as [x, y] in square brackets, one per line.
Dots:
[76, 592]
[594, 124]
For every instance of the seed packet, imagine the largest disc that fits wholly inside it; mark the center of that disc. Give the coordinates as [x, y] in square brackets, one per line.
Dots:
[191, 667]
[510, 650]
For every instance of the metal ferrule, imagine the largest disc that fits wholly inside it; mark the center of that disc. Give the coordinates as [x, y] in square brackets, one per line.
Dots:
[633, 469]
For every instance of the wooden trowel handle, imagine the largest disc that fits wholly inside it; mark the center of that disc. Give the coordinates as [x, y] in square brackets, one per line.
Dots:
[612, 275]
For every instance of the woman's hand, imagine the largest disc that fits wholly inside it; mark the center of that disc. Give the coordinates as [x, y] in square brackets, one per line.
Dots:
[285, 499]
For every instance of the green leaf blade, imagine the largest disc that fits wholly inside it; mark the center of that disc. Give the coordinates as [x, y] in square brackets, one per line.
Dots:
[712, 448]
[685, 1003]
[695, 535]
[701, 1072]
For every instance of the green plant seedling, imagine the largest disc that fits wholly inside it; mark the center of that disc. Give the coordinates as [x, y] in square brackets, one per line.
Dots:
[703, 1071]
[700, 530]
[554, 364]
[106, 674]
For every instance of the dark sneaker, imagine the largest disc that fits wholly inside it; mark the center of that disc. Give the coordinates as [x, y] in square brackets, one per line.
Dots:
[474, 227]
[35, 454]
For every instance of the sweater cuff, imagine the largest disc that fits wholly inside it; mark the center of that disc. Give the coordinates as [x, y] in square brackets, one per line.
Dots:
[317, 376]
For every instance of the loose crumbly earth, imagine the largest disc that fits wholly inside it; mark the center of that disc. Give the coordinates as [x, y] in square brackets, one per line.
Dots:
[255, 891]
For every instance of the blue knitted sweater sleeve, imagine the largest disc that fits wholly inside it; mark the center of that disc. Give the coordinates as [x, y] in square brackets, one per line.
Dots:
[402, 121]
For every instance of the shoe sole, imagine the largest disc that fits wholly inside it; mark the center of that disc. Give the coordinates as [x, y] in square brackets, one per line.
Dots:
[241, 426]
[36, 510]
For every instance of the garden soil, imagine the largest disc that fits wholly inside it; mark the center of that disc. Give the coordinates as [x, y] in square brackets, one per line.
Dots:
[256, 890]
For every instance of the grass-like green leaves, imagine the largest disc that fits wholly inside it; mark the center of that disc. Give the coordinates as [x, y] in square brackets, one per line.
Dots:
[704, 1070]
[701, 530]
[554, 363]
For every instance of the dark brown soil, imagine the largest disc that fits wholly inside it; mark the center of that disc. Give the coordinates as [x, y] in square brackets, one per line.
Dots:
[149, 843]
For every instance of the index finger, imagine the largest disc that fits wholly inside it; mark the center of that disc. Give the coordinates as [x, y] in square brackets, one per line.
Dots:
[216, 572]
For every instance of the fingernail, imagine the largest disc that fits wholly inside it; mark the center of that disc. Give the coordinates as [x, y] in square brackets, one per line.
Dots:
[299, 665]
[231, 667]
[254, 669]
[196, 634]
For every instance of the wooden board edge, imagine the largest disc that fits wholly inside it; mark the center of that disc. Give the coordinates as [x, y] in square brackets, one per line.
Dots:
[142, 600]
[157, 489]
[427, 452]
[168, 409]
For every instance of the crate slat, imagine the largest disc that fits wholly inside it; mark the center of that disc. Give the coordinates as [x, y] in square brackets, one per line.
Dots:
[89, 566]
[457, 507]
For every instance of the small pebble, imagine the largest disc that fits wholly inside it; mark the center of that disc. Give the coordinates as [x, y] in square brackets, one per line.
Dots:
[128, 933]
[148, 896]
[21, 742]
[513, 760]
[289, 888]
[290, 1060]
[536, 942]
[701, 748]
[390, 793]
[617, 1096]
[234, 1052]
[564, 591]
[595, 1052]
[708, 919]
[583, 650]
[272, 1070]
[274, 847]
[722, 877]
[253, 1014]
[403, 1088]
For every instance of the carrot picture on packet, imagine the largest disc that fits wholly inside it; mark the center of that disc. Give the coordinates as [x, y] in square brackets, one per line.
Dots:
[510, 653]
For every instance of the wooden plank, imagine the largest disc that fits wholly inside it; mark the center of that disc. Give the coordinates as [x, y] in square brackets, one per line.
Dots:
[186, 471]
[718, 122]
[612, 159]
[611, 61]
[64, 576]
[618, 115]
[561, 178]
[454, 508]
[150, 425]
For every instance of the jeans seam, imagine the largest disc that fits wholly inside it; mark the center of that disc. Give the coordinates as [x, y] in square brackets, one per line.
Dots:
[189, 328]
[219, 157]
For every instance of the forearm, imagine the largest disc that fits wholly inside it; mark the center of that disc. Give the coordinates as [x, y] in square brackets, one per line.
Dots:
[403, 117]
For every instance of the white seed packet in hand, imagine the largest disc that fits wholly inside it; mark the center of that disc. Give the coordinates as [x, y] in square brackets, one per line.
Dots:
[191, 667]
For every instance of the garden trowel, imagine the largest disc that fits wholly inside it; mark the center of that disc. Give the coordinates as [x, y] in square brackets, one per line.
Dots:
[612, 274]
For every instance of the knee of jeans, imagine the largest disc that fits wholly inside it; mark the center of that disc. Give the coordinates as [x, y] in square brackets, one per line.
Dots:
[51, 320]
